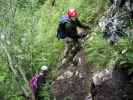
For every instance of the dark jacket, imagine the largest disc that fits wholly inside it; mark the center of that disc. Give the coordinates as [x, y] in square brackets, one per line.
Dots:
[71, 28]
[37, 82]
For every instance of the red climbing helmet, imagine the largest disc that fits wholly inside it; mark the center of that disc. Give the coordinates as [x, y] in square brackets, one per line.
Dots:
[72, 12]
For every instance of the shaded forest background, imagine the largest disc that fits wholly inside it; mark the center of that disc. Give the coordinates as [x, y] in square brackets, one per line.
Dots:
[28, 40]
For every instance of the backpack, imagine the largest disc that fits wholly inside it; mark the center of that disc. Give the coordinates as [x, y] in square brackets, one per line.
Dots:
[33, 83]
[61, 34]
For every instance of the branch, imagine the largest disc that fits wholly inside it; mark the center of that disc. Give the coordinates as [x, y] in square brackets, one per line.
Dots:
[27, 91]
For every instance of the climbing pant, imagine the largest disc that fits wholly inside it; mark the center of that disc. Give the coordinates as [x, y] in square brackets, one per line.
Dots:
[71, 48]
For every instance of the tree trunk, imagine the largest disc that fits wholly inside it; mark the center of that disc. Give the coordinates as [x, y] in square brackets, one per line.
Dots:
[26, 89]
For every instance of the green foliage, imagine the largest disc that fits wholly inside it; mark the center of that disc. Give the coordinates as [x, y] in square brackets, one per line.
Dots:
[22, 4]
[98, 50]
[102, 54]
[45, 92]
[33, 42]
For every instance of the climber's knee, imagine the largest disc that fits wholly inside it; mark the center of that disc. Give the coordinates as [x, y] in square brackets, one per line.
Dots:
[65, 52]
[68, 47]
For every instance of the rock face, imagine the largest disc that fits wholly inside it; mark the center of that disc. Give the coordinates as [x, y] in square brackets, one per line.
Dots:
[73, 81]
[115, 84]
[116, 21]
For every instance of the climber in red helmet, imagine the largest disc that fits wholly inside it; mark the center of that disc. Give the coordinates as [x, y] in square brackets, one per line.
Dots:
[68, 31]
[72, 12]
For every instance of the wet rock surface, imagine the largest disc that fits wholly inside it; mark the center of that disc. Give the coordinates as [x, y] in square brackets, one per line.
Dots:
[73, 81]
[116, 20]
[117, 86]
